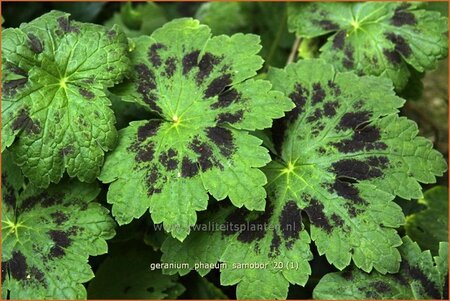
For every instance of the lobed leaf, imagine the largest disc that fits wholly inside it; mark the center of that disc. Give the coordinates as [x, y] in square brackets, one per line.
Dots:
[419, 277]
[261, 252]
[136, 20]
[343, 155]
[222, 17]
[201, 88]
[374, 38]
[55, 113]
[430, 226]
[48, 235]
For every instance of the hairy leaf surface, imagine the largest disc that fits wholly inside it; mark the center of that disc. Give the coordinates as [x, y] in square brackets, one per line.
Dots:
[201, 89]
[374, 37]
[47, 237]
[55, 114]
[419, 277]
[430, 226]
[343, 156]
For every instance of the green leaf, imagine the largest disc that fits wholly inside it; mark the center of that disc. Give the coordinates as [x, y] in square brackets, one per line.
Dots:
[430, 226]
[345, 155]
[81, 11]
[201, 88]
[222, 17]
[126, 274]
[260, 252]
[269, 20]
[136, 20]
[126, 112]
[377, 38]
[419, 277]
[47, 237]
[55, 114]
[342, 157]
[414, 87]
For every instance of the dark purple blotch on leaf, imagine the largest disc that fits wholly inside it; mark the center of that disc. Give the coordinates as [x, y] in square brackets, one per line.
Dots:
[226, 98]
[326, 24]
[318, 94]
[86, 93]
[230, 117]
[430, 288]
[67, 151]
[153, 54]
[223, 139]
[392, 56]
[18, 266]
[9, 195]
[146, 84]
[35, 43]
[66, 26]
[316, 214]
[316, 115]
[275, 245]
[218, 85]
[59, 217]
[24, 122]
[329, 108]
[348, 60]
[145, 153]
[401, 46]
[152, 181]
[16, 69]
[206, 65]
[61, 241]
[170, 67]
[204, 151]
[149, 129]
[11, 87]
[339, 40]
[403, 17]
[189, 168]
[299, 97]
[290, 223]
[190, 61]
[249, 229]
[169, 159]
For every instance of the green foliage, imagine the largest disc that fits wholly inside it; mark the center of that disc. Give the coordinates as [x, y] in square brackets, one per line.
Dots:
[222, 17]
[430, 226]
[271, 177]
[47, 236]
[351, 157]
[420, 277]
[81, 11]
[267, 19]
[55, 114]
[379, 38]
[138, 20]
[201, 89]
[126, 274]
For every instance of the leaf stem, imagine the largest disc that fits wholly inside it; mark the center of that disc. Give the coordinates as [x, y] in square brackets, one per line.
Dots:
[294, 50]
[276, 41]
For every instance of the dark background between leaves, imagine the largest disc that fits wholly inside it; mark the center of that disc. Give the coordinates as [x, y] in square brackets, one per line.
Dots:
[427, 106]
